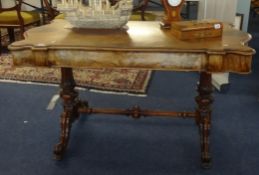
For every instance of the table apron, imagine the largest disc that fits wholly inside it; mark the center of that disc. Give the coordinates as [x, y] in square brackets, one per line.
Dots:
[227, 62]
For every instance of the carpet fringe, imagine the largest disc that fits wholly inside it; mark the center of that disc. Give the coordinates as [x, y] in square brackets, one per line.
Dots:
[27, 82]
[117, 93]
[134, 82]
[54, 99]
[52, 103]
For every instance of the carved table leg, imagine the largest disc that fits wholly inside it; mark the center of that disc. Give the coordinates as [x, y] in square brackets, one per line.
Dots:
[70, 105]
[203, 119]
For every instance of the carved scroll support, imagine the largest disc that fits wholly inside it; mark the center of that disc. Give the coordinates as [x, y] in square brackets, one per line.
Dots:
[203, 116]
[70, 110]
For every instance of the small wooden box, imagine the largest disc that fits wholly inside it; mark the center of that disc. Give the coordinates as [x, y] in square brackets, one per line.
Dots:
[186, 30]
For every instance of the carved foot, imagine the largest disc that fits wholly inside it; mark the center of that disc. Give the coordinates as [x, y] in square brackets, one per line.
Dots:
[58, 151]
[206, 163]
[65, 124]
[205, 144]
[70, 113]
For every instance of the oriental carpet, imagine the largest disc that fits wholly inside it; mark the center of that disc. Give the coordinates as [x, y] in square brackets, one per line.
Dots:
[113, 80]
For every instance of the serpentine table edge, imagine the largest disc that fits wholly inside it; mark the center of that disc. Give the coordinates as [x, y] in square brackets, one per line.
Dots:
[61, 46]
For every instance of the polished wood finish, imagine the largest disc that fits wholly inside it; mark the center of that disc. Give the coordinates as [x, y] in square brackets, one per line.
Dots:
[172, 14]
[136, 112]
[69, 96]
[71, 104]
[203, 115]
[189, 30]
[143, 45]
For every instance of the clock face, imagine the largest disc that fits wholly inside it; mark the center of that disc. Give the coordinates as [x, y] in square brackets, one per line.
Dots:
[174, 3]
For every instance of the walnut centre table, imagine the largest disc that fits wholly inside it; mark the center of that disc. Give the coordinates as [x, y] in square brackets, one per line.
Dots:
[142, 46]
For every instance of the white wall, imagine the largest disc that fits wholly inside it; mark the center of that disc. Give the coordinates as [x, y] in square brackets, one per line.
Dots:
[243, 7]
[7, 3]
[223, 10]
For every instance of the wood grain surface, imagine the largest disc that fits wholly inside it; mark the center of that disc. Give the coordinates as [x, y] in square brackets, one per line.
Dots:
[141, 45]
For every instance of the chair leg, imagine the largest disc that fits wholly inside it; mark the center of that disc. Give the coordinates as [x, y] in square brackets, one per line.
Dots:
[11, 34]
[22, 30]
[143, 8]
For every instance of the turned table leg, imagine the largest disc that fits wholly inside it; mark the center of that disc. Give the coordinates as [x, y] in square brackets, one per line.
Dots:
[70, 101]
[203, 117]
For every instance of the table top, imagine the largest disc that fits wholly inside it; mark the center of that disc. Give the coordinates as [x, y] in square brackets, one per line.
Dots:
[55, 44]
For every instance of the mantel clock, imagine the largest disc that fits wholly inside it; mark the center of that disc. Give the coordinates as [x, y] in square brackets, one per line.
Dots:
[172, 12]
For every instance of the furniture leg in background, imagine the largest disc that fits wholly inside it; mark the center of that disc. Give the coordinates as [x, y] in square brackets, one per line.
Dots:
[141, 6]
[44, 7]
[11, 34]
[190, 3]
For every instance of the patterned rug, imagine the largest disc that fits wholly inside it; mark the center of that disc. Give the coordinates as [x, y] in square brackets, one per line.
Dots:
[113, 80]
